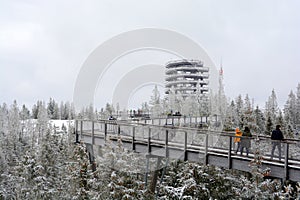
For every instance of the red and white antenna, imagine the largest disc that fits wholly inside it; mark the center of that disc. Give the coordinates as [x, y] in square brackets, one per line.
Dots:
[221, 72]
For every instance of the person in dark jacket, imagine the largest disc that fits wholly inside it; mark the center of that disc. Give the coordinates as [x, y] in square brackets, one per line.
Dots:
[276, 138]
[246, 141]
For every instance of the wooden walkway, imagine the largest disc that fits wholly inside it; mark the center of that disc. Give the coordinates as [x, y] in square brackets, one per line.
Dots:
[193, 144]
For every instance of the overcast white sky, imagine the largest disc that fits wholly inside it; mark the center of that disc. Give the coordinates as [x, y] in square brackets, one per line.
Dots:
[44, 43]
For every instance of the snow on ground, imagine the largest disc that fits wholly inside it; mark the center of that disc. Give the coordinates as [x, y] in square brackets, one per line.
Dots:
[62, 125]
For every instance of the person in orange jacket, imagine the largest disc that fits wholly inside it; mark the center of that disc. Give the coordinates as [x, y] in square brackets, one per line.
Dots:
[237, 140]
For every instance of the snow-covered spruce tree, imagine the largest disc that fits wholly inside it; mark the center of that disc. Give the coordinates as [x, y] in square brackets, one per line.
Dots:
[90, 112]
[290, 114]
[42, 121]
[171, 100]
[298, 105]
[271, 111]
[193, 181]
[52, 109]
[3, 118]
[240, 111]
[45, 166]
[24, 113]
[221, 100]
[269, 125]
[35, 109]
[108, 110]
[118, 174]
[80, 174]
[155, 103]
[280, 120]
[187, 106]
[259, 120]
[145, 108]
[230, 119]
[179, 102]
[201, 102]
[12, 146]
[249, 115]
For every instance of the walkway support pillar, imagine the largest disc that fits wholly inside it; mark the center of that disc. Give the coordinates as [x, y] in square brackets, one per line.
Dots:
[166, 144]
[185, 157]
[93, 132]
[206, 150]
[155, 175]
[76, 132]
[133, 138]
[81, 128]
[149, 140]
[105, 132]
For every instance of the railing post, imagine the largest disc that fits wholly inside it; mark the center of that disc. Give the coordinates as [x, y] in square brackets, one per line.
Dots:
[206, 150]
[166, 143]
[105, 132]
[133, 138]
[229, 153]
[93, 132]
[185, 157]
[119, 129]
[286, 161]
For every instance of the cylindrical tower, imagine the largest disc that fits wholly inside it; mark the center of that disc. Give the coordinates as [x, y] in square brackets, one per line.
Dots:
[185, 77]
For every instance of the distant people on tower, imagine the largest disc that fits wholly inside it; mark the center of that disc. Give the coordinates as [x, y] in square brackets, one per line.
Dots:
[237, 140]
[246, 141]
[276, 138]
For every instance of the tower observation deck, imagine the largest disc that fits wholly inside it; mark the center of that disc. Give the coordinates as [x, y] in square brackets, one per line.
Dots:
[186, 77]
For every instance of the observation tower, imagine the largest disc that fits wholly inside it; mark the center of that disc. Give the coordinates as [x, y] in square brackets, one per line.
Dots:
[186, 77]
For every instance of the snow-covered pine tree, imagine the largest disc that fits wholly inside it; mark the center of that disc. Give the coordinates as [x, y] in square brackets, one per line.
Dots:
[201, 102]
[10, 152]
[290, 113]
[35, 109]
[52, 109]
[118, 173]
[145, 108]
[298, 106]
[3, 118]
[90, 112]
[187, 106]
[221, 99]
[230, 120]
[249, 117]
[240, 111]
[155, 103]
[80, 174]
[280, 120]
[108, 110]
[271, 109]
[171, 97]
[24, 113]
[259, 120]
[42, 121]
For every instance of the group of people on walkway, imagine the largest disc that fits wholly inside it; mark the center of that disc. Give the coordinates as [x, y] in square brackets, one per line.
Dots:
[243, 140]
